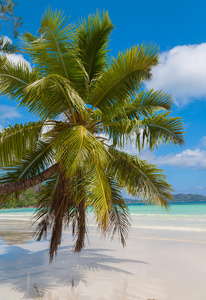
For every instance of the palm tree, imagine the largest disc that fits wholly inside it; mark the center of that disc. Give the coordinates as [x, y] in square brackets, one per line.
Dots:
[89, 107]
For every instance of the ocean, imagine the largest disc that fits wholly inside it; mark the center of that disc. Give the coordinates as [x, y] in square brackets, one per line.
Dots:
[182, 216]
[176, 208]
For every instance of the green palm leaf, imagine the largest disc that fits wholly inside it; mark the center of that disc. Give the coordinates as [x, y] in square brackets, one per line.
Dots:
[51, 95]
[51, 51]
[56, 39]
[119, 218]
[91, 40]
[14, 78]
[123, 77]
[16, 142]
[99, 193]
[151, 131]
[77, 147]
[6, 46]
[162, 129]
[139, 178]
[51, 48]
[34, 163]
[147, 103]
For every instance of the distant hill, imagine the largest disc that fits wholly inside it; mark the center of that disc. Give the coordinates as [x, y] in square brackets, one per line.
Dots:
[189, 197]
[176, 198]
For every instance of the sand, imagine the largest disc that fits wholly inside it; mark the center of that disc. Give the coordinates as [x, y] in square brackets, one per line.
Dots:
[156, 264]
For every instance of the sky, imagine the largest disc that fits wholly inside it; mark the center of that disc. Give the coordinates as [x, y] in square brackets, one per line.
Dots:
[179, 29]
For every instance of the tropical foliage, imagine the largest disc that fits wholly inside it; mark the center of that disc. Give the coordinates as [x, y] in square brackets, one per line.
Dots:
[28, 198]
[9, 19]
[89, 107]
[7, 15]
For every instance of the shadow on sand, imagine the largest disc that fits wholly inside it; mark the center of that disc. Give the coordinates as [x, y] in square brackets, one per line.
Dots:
[26, 270]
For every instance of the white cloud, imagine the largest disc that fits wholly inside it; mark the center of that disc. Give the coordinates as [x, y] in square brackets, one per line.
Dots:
[195, 159]
[16, 58]
[6, 38]
[8, 112]
[46, 128]
[189, 158]
[182, 72]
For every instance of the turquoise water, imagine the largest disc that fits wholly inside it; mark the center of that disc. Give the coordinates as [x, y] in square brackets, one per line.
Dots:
[187, 217]
[184, 208]
[17, 210]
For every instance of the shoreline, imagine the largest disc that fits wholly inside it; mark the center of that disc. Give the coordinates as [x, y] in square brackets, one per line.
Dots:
[127, 202]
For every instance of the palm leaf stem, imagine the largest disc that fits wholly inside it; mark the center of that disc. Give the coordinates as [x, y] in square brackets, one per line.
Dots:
[58, 49]
[115, 83]
[15, 78]
[35, 126]
[34, 160]
[70, 107]
[165, 129]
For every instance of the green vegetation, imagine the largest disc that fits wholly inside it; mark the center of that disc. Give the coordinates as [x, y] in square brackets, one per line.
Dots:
[26, 199]
[8, 17]
[89, 106]
[29, 198]
[12, 22]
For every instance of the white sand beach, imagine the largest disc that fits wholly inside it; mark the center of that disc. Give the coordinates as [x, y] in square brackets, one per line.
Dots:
[157, 263]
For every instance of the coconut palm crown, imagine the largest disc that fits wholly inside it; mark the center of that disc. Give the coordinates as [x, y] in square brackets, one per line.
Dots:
[89, 106]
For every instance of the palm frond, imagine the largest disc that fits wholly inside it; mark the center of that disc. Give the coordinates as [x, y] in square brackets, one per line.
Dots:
[51, 47]
[76, 148]
[162, 129]
[14, 78]
[56, 38]
[99, 194]
[51, 50]
[144, 104]
[36, 161]
[52, 95]
[139, 178]
[6, 46]
[122, 132]
[157, 129]
[91, 41]
[17, 141]
[42, 215]
[123, 77]
[147, 103]
[119, 218]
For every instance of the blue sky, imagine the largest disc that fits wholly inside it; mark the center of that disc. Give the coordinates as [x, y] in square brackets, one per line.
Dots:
[179, 29]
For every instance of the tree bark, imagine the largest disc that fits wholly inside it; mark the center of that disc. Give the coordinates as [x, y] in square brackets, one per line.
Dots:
[25, 184]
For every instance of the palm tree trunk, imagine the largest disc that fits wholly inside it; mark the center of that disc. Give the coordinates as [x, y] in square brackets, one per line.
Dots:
[81, 227]
[25, 184]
